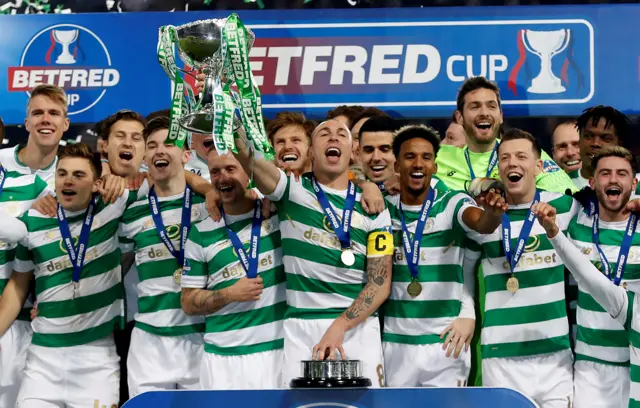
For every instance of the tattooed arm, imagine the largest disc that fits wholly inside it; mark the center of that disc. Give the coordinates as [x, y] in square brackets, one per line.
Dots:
[374, 293]
[205, 302]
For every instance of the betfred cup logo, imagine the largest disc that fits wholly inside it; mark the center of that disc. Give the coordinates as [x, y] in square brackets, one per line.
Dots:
[546, 44]
[65, 38]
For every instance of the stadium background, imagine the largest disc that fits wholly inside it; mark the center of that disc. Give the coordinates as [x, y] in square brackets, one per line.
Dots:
[541, 127]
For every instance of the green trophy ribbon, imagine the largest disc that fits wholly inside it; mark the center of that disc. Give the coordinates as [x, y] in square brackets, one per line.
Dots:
[179, 105]
[236, 49]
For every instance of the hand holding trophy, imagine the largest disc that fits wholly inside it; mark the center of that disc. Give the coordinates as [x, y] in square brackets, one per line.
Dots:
[220, 49]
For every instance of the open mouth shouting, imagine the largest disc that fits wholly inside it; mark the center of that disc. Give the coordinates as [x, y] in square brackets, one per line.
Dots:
[613, 192]
[46, 131]
[513, 177]
[68, 194]
[483, 126]
[161, 164]
[377, 170]
[289, 157]
[126, 156]
[333, 154]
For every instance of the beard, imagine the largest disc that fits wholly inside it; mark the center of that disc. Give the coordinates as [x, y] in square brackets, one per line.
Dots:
[602, 199]
[469, 130]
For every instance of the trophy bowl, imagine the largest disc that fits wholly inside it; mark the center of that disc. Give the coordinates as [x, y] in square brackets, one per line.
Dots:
[199, 46]
[331, 374]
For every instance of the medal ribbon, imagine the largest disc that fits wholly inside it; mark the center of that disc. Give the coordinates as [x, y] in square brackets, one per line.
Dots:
[412, 247]
[249, 262]
[3, 177]
[236, 48]
[77, 254]
[514, 258]
[381, 187]
[341, 229]
[493, 160]
[185, 225]
[179, 105]
[624, 247]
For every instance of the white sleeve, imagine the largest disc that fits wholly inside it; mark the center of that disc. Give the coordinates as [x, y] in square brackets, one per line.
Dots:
[281, 188]
[13, 230]
[468, 309]
[611, 297]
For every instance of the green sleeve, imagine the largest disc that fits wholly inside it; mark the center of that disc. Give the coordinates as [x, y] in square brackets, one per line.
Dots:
[552, 178]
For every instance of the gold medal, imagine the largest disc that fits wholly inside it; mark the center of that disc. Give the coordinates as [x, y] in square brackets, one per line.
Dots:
[512, 284]
[177, 276]
[414, 288]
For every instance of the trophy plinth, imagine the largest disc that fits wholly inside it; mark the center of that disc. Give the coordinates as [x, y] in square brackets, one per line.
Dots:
[331, 374]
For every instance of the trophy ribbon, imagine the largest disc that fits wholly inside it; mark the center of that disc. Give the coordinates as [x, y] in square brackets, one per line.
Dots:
[236, 51]
[179, 105]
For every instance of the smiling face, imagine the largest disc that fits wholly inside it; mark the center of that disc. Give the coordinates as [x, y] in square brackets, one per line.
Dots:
[416, 165]
[518, 165]
[594, 137]
[75, 183]
[376, 155]
[125, 147]
[227, 177]
[614, 181]
[291, 145]
[481, 116]
[566, 147]
[454, 136]
[46, 121]
[331, 148]
[165, 161]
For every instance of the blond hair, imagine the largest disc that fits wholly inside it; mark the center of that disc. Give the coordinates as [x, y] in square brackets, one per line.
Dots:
[52, 92]
[614, 151]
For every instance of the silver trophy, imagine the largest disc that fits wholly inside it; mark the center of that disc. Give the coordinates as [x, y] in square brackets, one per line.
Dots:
[331, 374]
[199, 47]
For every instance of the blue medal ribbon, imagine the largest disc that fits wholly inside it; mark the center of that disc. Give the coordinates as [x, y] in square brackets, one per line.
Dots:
[249, 261]
[185, 225]
[381, 187]
[3, 177]
[493, 161]
[623, 255]
[514, 258]
[76, 254]
[412, 247]
[340, 228]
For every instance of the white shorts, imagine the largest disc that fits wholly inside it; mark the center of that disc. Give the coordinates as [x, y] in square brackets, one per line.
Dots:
[163, 362]
[546, 378]
[258, 371]
[408, 365]
[84, 376]
[361, 343]
[13, 352]
[598, 385]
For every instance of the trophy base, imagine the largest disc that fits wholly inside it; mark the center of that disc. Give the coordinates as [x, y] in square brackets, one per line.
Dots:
[330, 383]
[546, 85]
[202, 122]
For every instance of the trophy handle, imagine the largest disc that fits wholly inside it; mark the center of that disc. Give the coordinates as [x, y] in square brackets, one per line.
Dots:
[526, 45]
[76, 32]
[567, 37]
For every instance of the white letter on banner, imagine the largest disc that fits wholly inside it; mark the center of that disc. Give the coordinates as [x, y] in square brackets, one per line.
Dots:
[483, 66]
[311, 65]
[379, 63]
[36, 78]
[111, 77]
[64, 78]
[494, 67]
[411, 74]
[79, 78]
[453, 77]
[95, 77]
[257, 52]
[20, 79]
[284, 56]
[355, 66]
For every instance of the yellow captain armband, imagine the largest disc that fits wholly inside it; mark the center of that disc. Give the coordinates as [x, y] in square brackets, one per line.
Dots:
[380, 243]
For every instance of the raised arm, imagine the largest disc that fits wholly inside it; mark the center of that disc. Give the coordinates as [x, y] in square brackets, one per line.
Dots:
[265, 173]
[611, 297]
[197, 183]
[371, 297]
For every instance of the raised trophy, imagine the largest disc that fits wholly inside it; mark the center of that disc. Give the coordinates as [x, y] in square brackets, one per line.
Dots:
[219, 48]
[546, 44]
[65, 38]
[331, 374]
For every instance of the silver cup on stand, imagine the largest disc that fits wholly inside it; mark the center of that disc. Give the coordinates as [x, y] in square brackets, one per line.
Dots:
[331, 374]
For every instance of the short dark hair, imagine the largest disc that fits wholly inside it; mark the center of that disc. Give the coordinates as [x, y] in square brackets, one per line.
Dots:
[125, 114]
[416, 131]
[473, 84]
[82, 151]
[155, 124]
[380, 124]
[283, 119]
[611, 115]
[367, 113]
[518, 134]
[163, 112]
[350, 111]
[614, 151]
